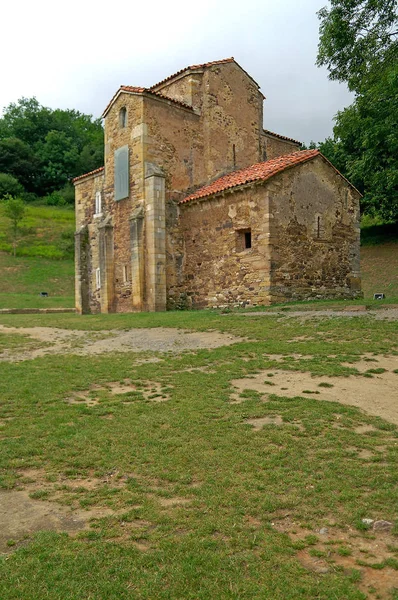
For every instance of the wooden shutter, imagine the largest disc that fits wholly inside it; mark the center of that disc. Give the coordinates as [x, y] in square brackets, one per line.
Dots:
[122, 173]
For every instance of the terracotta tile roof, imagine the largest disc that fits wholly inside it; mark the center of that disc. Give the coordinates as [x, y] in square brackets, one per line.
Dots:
[193, 68]
[88, 174]
[258, 172]
[281, 137]
[140, 90]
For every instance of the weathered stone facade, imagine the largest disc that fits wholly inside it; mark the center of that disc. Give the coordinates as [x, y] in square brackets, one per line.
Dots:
[145, 241]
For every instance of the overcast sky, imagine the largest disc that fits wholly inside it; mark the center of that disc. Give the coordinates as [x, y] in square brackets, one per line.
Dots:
[75, 54]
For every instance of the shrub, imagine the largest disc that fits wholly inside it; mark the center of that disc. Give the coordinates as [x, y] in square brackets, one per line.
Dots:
[10, 185]
[68, 193]
[54, 199]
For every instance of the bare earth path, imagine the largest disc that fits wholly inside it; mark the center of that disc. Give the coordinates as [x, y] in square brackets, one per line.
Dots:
[157, 339]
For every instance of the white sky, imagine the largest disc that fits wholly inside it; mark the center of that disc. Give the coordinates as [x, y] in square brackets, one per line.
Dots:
[76, 54]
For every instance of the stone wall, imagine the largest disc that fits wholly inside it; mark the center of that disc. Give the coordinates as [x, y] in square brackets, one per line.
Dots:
[118, 213]
[315, 235]
[86, 247]
[185, 88]
[304, 226]
[273, 146]
[232, 117]
[217, 269]
[173, 142]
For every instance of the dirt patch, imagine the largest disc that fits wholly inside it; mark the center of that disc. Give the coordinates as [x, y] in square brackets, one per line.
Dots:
[377, 395]
[150, 391]
[168, 502]
[260, 422]
[21, 516]
[157, 339]
[330, 548]
[390, 314]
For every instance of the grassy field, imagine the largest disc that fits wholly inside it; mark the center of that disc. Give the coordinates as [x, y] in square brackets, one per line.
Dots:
[46, 232]
[44, 261]
[184, 498]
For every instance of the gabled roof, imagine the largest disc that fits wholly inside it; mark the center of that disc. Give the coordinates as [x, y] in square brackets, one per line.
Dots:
[193, 68]
[200, 68]
[129, 89]
[259, 172]
[95, 172]
[281, 137]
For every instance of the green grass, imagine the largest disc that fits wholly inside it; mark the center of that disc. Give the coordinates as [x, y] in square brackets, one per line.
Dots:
[196, 446]
[22, 279]
[46, 232]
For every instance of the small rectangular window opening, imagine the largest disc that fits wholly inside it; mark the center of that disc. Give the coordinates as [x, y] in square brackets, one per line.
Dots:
[318, 227]
[243, 239]
[98, 278]
[125, 273]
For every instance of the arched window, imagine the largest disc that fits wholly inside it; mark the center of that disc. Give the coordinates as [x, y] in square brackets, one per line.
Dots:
[123, 117]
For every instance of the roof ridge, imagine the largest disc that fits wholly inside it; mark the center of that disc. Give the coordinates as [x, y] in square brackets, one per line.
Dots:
[141, 90]
[257, 172]
[87, 174]
[193, 68]
[282, 137]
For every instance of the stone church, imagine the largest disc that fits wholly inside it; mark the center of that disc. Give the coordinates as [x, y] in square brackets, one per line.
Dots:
[198, 205]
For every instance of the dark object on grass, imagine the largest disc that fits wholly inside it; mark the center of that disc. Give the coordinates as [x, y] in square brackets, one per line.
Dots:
[44, 294]
[378, 296]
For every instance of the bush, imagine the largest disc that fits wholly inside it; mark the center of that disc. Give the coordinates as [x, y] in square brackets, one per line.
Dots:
[68, 193]
[10, 185]
[54, 199]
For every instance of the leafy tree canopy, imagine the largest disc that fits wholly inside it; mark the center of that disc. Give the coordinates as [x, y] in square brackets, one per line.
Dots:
[9, 185]
[44, 148]
[357, 37]
[358, 44]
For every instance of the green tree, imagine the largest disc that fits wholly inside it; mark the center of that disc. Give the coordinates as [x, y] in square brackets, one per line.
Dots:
[18, 159]
[357, 37]
[358, 44]
[14, 209]
[45, 148]
[9, 185]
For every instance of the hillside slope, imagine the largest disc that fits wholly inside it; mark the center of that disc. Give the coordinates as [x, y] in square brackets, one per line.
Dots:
[379, 265]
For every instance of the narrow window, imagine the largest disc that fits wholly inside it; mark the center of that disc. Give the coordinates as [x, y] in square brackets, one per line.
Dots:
[125, 273]
[318, 227]
[123, 117]
[98, 203]
[122, 173]
[243, 239]
[98, 278]
[234, 155]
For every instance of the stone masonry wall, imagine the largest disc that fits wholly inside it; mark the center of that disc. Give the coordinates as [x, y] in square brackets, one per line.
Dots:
[232, 117]
[272, 147]
[85, 191]
[119, 212]
[187, 88]
[173, 142]
[216, 268]
[314, 227]
[305, 242]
